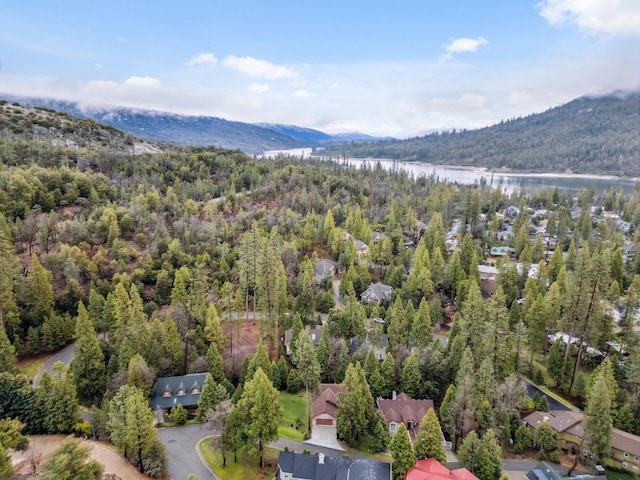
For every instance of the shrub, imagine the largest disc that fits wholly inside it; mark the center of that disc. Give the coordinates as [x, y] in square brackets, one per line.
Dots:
[555, 457]
[82, 429]
[178, 415]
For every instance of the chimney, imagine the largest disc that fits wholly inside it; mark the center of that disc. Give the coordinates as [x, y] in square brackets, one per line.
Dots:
[393, 395]
[321, 458]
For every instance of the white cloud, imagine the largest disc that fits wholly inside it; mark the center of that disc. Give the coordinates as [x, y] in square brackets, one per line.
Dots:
[101, 85]
[302, 93]
[258, 88]
[459, 45]
[466, 101]
[142, 82]
[258, 68]
[613, 17]
[207, 60]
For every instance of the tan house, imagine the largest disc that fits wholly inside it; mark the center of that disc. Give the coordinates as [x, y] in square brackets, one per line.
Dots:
[569, 430]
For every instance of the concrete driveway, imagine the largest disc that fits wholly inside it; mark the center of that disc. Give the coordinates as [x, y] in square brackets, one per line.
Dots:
[324, 436]
[181, 443]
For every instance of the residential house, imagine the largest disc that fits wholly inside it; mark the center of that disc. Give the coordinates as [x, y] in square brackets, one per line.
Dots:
[362, 249]
[511, 212]
[403, 409]
[569, 430]
[377, 236]
[377, 294]
[379, 343]
[325, 268]
[169, 392]
[502, 252]
[314, 333]
[544, 471]
[325, 405]
[432, 469]
[300, 466]
[488, 276]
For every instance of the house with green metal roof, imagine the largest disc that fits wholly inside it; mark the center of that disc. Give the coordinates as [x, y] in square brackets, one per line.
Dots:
[185, 390]
[502, 252]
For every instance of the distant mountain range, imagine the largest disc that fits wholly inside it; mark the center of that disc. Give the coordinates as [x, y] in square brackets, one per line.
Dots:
[197, 130]
[598, 135]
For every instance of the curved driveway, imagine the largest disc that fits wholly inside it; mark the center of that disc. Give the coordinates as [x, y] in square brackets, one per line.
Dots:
[182, 450]
[65, 356]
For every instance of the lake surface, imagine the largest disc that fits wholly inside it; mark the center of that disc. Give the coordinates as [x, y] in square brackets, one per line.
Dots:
[508, 181]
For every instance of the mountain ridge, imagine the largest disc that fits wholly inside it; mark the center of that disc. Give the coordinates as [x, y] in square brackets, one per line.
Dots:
[590, 134]
[253, 138]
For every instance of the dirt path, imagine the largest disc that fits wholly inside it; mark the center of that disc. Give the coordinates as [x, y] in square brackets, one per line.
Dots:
[113, 462]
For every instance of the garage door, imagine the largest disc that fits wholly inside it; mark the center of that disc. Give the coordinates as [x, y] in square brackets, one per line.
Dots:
[324, 421]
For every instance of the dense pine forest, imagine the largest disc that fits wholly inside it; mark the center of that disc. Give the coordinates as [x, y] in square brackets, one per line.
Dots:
[588, 135]
[160, 261]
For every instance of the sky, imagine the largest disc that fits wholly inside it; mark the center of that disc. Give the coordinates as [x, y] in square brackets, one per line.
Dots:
[399, 68]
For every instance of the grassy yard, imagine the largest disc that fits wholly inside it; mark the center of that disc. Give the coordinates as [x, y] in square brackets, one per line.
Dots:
[247, 466]
[618, 475]
[294, 409]
[30, 366]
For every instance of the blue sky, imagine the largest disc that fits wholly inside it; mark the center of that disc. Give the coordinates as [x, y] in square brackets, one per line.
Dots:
[397, 68]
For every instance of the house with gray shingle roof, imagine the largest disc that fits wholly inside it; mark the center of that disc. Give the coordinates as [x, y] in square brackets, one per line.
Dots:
[325, 268]
[300, 466]
[377, 294]
[185, 390]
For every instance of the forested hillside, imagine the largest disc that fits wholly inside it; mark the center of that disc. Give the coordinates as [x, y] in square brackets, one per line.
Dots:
[198, 259]
[588, 135]
[188, 129]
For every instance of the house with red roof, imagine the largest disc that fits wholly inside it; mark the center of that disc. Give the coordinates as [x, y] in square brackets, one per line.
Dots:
[432, 469]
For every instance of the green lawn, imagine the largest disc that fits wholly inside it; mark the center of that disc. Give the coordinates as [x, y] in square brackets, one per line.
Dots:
[294, 409]
[617, 475]
[247, 466]
[30, 366]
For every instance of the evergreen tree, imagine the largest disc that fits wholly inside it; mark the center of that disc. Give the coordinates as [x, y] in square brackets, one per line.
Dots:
[422, 328]
[355, 405]
[60, 401]
[388, 374]
[401, 453]
[428, 443]
[597, 420]
[481, 457]
[132, 432]
[379, 432]
[7, 354]
[410, 378]
[37, 297]
[259, 360]
[212, 394]
[71, 461]
[259, 407]
[216, 364]
[87, 367]
[307, 365]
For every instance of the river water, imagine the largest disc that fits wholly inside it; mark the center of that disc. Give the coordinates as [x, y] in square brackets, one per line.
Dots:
[508, 181]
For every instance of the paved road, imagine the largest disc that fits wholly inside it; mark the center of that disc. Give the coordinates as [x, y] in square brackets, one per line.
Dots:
[301, 446]
[181, 443]
[65, 356]
[553, 403]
